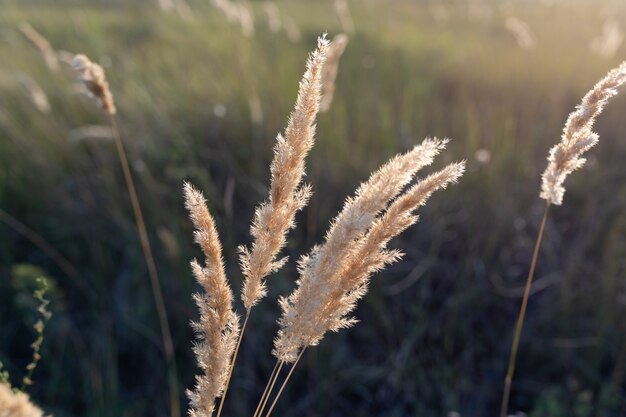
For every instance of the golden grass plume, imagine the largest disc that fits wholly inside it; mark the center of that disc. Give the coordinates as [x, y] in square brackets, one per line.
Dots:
[578, 137]
[275, 217]
[335, 275]
[218, 327]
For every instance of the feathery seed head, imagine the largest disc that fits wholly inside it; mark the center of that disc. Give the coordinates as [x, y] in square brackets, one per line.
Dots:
[335, 275]
[206, 233]
[92, 76]
[218, 327]
[578, 137]
[275, 217]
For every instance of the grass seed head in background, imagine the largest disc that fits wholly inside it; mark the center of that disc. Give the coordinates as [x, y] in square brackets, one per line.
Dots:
[335, 51]
[92, 76]
[35, 93]
[335, 275]
[218, 328]
[16, 403]
[577, 136]
[273, 218]
[41, 43]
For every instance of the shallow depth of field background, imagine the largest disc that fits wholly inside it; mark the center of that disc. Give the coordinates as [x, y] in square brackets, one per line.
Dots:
[198, 100]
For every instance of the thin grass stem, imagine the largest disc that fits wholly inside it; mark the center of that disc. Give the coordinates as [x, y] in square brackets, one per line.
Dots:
[232, 363]
[269, 391]
[272, 375]
[520, 319]
[168, 345]
[282, 387]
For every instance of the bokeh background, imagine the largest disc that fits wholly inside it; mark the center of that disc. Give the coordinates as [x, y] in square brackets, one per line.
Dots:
[201, 97]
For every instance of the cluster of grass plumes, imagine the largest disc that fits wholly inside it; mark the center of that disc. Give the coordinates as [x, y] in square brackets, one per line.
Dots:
[333, 277]
[272, 220]
[375, 133]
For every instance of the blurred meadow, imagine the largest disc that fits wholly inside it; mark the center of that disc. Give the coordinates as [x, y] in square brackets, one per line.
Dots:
[201, 98]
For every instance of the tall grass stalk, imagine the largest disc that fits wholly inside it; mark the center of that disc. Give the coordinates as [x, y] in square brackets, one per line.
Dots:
[93, 78]
[564, 158]
[520, 319]
[157, 293]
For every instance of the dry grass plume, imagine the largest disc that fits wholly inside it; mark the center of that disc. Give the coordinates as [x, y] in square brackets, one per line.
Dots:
[563, 159]
[335, 275]
[218, 327]
[578, 137]
[92, 76]
[275, 217]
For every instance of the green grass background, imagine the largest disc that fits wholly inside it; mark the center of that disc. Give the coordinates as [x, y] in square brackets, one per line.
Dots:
[436, 329]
